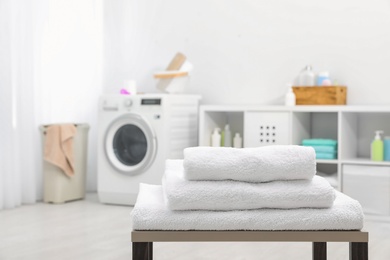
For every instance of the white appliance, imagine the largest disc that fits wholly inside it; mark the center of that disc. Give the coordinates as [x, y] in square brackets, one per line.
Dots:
[136, 135]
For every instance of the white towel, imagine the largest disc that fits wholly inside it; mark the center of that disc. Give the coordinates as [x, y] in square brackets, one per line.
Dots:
[182, 194]
[151, 213]
[260, 164]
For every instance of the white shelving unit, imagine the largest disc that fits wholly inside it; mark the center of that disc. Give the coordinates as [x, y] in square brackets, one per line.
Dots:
[352, 126]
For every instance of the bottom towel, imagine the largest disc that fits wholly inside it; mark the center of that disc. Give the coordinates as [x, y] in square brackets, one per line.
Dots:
[151, 213]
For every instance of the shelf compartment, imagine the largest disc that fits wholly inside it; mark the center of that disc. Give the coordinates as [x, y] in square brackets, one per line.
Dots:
[357, 132]
[329, 172]
[308, 125]
[209, 120]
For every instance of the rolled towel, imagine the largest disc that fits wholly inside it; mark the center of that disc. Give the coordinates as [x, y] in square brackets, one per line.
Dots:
[151, 213]
[260, 164]
[182, 194]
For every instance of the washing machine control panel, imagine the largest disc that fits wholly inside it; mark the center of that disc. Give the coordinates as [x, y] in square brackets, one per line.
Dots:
[151, 101]
[127, 102]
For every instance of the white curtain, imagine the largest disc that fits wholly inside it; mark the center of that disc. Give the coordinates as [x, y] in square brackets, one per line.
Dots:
[50, 72]
[18, 158]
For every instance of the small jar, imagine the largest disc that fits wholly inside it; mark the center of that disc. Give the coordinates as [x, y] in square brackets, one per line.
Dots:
[323, 79]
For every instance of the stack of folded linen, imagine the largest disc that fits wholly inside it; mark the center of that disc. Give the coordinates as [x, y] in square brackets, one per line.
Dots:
[265, 188]
[324, 148]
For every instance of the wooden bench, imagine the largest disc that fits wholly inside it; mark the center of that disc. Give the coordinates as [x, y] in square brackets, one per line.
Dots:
[358, 240]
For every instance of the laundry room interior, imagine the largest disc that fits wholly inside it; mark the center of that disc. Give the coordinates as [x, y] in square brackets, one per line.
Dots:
[194, 129]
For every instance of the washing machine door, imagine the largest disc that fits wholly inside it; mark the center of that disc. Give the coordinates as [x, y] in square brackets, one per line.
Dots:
[131, 144]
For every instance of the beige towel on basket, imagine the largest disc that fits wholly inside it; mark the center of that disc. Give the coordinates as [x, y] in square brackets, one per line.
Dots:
[59, 147]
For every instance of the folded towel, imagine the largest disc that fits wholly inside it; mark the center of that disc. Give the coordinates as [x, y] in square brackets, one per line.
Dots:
[326, 155]
[58, 148]
[328, 142]
[323, 148]
[182, 194]
[151, 213]
[260, 164]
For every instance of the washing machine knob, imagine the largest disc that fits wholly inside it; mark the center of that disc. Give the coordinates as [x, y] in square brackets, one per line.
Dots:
[128, 103]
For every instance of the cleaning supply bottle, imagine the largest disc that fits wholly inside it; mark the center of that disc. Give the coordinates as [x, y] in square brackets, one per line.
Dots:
[237, 141]
[227, 137]
[377, 147]
[386, 144]
[306, 77]
[216, 138]
[290, 97]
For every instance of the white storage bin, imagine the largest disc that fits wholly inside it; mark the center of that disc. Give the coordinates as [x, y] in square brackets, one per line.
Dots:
[58, 187]
[266, 128]
[370, 185]
[172, 81]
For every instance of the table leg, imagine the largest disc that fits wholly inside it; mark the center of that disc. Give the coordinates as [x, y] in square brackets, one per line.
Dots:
[358, 251]
[319, 250]
[142, 250]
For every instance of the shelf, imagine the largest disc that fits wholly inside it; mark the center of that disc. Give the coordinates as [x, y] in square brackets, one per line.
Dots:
[327, 161]
[298, 108]
[364, 161]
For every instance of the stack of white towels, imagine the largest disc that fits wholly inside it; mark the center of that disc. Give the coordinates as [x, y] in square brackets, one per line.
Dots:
[264, 188]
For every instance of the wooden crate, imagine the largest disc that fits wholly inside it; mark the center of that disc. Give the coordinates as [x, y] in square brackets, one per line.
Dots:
[329, 95]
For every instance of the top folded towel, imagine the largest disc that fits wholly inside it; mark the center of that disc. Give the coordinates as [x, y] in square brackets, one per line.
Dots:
[260, 164]
[327, 142]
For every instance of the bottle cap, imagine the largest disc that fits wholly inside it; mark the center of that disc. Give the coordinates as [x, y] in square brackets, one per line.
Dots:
[377, 134]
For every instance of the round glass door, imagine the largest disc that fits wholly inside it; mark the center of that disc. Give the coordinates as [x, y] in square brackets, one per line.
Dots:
[130, 144]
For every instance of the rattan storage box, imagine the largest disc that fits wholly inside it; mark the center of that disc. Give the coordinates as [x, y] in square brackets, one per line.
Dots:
[329, 95]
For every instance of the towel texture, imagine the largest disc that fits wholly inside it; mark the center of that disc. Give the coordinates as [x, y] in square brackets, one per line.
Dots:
[182, 194]
[260, 164]
[58, 148]
[151, 213]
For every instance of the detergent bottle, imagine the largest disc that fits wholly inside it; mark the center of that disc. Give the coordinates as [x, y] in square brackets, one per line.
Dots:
[377, 147]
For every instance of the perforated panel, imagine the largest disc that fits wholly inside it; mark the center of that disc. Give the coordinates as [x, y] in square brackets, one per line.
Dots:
[266, 128]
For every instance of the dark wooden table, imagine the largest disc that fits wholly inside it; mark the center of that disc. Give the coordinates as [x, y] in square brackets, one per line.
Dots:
[358, 240]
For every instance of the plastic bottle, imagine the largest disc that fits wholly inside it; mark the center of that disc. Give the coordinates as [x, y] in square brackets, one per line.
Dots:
[216, 138]
[306, 77]
[131, 87]
[227, 137]
[386, 143]
[377, 147]
[290, 97]
[237, 141]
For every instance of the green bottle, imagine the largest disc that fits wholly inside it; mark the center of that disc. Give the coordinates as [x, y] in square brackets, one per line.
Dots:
[377, 147]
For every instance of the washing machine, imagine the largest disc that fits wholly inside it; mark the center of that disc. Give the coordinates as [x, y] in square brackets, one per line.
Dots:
[136, 135]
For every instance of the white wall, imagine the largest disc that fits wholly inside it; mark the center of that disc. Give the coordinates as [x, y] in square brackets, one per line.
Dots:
[245, 51]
